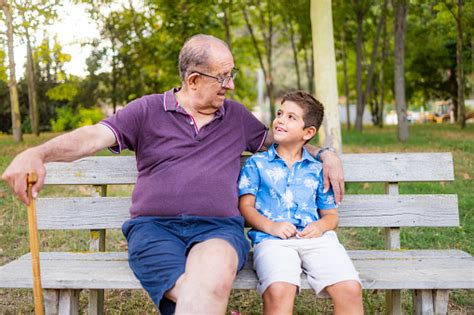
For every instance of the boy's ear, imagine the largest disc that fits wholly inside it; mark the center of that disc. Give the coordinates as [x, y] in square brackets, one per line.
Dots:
[309, 133]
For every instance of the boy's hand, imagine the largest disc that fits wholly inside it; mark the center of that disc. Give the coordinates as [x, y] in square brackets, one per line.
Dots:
[283, 230]
[312, 230]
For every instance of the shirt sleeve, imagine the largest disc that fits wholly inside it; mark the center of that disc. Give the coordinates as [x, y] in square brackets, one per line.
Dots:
[249, 179]
[324, 200]
[126, 124]
[255, 132]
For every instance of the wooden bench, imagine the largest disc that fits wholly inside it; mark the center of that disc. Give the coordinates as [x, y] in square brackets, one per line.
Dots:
[430, 273]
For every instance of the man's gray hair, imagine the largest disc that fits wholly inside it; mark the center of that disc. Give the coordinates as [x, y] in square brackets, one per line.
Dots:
[195, 53]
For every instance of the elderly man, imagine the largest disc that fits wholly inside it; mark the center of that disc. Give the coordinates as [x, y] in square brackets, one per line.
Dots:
[185, 236]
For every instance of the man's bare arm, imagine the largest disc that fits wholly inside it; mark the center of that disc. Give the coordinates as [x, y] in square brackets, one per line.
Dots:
[71, 146]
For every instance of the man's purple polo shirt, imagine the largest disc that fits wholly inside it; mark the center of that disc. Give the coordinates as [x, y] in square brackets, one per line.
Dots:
[182, 171]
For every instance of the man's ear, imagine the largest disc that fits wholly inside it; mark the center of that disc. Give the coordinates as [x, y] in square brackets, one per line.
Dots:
[191, 81]
[309, 133]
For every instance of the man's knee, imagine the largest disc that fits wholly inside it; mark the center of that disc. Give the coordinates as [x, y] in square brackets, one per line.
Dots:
[213, 264]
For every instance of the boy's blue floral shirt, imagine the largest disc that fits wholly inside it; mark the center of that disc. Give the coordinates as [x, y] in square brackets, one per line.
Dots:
[294, 195]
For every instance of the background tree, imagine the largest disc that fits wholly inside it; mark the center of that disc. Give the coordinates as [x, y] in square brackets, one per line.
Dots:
[33, 16]
[14, 101]
[262, 34]
[400, 12]
[457, 13]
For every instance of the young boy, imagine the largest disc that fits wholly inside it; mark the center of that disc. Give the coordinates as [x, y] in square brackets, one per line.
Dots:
[293, 219]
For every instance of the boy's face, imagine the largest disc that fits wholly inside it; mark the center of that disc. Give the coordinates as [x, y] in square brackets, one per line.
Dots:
[288, 126]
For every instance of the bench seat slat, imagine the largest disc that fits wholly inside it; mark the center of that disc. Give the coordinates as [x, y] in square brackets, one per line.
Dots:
[356, 211]
[422, 270]
[374, 167]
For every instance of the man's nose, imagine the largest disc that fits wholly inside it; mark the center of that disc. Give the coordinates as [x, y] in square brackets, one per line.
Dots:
[230, 84]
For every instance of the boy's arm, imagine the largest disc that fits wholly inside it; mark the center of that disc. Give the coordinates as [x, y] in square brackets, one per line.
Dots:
[329, 221]
[247, 208]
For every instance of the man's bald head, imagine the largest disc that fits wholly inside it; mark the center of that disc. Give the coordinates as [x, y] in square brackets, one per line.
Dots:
[196, 52]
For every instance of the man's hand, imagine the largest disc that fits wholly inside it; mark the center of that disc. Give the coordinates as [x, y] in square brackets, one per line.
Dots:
[283, 230]
[312, 230]
[333, 174]
[16, 173]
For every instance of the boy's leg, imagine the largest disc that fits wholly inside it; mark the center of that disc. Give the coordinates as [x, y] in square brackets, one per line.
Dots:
[330, 272]
[278, 267]
[347, 297]
[279, 298]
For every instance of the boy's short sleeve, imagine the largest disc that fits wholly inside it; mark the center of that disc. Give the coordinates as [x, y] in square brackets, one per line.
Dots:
[249, 179]
[126, 124]
[325, 200]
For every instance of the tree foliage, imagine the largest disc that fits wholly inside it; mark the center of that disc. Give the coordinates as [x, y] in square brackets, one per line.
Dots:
[137, 52]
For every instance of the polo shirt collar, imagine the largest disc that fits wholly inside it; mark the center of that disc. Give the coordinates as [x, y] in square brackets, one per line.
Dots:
[273, 154]
[170, 104]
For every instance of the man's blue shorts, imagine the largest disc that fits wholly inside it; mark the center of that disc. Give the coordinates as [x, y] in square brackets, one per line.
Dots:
[158, 246]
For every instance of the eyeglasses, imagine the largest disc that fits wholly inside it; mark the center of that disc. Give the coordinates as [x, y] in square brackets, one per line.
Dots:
[223, 80]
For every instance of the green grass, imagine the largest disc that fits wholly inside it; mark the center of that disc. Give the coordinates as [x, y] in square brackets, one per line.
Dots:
[423, 138]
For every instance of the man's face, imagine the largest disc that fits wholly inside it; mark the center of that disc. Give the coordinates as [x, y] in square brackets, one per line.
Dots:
[210, 93]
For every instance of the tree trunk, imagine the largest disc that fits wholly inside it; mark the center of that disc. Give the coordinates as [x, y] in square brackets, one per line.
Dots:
[268, 43]
[346, 81]
[32, 99]
[460, 68]
[227, 9]
[401, 10]
[325, 72]
[360, 95]
[289, 28]
[309, 67]
[381, 76]
[15, 103]
[373, 58]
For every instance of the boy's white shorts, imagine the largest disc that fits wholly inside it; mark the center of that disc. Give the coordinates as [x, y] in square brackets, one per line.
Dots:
[324, 260]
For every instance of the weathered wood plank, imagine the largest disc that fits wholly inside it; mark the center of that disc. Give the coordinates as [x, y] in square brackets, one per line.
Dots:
[398, 167]
[111, 270]
[51, 302]
[384, 167]
[355, 211]
[423, 302]
[440, 301]
[393, 298]
[69, 302]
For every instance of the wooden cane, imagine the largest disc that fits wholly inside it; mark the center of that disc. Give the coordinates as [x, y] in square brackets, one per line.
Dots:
[34, 246]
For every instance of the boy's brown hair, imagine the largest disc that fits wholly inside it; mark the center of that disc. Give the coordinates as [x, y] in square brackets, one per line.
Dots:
[313, 110]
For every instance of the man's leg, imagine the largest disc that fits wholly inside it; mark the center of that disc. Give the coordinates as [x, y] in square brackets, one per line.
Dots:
[204, 288]
[157, 258]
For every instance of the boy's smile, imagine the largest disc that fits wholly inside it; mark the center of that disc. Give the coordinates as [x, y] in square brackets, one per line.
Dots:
[288, 126]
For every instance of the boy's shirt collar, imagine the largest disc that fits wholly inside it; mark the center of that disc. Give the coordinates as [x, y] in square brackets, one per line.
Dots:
[273, 154]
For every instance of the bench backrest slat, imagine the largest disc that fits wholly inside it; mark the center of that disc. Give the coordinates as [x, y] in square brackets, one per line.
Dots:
[374, 167]
[356, 211]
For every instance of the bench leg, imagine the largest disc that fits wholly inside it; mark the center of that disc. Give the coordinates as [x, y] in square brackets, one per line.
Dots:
[96, 302]
[393, 302]
[441, 299]
[69, 302]
[51, 301]
[423, 302]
